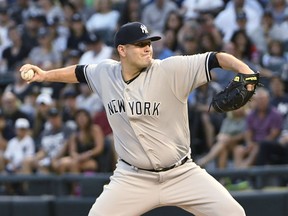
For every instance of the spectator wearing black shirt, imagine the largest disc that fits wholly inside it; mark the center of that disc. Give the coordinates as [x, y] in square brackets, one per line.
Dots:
[30, 28]
[78, 34]
[130, 12]
[279, 98]
[276, 151]
[17, 51]
[12, 111]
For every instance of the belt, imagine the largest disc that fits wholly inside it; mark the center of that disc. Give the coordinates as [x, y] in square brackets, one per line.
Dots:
[184, 160]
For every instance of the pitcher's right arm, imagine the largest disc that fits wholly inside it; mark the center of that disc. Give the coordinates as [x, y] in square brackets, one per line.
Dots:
[64, 75]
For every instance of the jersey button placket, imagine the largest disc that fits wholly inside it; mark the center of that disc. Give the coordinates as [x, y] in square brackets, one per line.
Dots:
[126, 94]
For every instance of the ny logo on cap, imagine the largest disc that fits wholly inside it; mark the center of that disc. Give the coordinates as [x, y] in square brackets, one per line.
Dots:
[144, 29]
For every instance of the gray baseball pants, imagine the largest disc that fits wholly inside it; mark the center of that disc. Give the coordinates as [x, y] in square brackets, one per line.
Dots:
[133, 192]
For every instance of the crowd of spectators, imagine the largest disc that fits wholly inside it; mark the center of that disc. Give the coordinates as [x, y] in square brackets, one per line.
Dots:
[62, 128]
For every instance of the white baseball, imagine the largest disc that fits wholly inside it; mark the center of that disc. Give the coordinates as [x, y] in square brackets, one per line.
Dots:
[27, 75]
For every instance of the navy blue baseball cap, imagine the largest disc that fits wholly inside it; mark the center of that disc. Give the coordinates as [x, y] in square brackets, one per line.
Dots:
[131, 33]
[93, 37]
[53, 112]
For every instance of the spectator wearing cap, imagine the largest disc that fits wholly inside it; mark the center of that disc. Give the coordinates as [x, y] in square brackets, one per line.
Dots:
[53, 145]
[97, 50]
[42, 105]
[72, 57]
[241, 19]
[78, 34]
[30, 28]
[51, 10]
[279, 97]
[19, 10]
[59, 34]
[19, 147]
[44, 98]
[82, 7]
[69, 106]
[241, 24]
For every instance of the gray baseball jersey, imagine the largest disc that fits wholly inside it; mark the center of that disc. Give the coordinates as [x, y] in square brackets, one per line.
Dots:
[140, 111]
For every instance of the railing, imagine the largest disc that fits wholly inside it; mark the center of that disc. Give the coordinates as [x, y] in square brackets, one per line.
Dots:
[260, 176]
[57, 184]
[49, 195]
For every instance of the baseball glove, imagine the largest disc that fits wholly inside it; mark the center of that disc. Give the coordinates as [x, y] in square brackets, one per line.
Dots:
[235, 94]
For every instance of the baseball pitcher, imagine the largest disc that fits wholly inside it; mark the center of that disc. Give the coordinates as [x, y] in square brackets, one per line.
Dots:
[146, 104]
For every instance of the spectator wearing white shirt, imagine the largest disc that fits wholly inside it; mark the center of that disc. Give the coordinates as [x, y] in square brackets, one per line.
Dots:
[5, 42]
[4, 24]
[51, 10]
[53, 145]
[269, 30]
[278, 9]
[191, 9]
[97, 50]
[104, 20]
[226, 19]
[19, 147]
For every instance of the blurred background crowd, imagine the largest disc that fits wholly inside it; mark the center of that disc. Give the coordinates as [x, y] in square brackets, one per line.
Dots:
[62, 128]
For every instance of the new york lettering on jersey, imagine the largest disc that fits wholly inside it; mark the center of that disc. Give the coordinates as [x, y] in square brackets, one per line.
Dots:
[135, 107]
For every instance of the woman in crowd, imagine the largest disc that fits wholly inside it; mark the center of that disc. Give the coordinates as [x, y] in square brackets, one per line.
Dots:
[85, 145]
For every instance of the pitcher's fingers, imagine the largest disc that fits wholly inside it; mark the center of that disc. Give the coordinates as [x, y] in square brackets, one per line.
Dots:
[250, 87]
[25, 67]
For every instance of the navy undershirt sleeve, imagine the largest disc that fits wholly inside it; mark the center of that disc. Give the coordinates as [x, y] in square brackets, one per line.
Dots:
[79, 72]
[213, 61]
